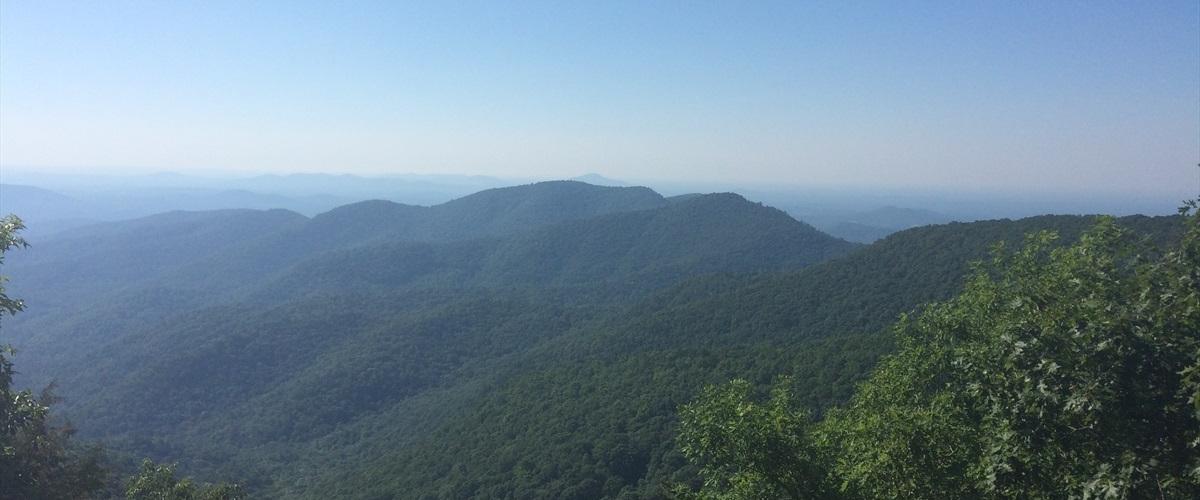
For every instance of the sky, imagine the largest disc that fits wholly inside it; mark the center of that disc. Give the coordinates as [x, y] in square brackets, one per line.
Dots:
[1074, 96]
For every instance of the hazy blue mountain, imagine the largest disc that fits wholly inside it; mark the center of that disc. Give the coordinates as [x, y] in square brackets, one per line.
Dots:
[409, 189]
[98, 259]
[898, 217]
[45, 211]
[16, 198]
[870, 225]
[599, 180]
[177, 246]
[506, 210]
[491, 212]
[305, 193]
[859, 233]
[628, 251]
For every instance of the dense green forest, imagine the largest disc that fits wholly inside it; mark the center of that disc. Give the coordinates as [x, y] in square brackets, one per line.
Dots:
[530, 342]
[39, 459]
[624, 378]
[1057, 373]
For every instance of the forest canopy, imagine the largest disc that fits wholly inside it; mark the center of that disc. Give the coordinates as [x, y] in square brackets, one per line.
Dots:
[38, 457]
[1057, 372]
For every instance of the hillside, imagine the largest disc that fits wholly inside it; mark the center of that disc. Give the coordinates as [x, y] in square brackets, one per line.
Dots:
[635, 250]
[139, 312]
[550, 329]
[98, 284]
[493, 212]
[623, 377]
[615, 249]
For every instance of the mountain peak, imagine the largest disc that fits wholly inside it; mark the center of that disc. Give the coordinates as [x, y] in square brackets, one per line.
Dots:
[599, 180]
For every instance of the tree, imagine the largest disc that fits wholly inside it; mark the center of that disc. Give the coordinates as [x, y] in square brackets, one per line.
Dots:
[1057, 372]
[749, 450]
[158, 482]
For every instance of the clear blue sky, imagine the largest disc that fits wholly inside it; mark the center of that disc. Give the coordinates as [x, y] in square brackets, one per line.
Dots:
[1052, 95]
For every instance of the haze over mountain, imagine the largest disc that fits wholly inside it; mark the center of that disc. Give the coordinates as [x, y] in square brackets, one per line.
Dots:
[872, 225]
[53, 202]
[599, 180]
[64, 201]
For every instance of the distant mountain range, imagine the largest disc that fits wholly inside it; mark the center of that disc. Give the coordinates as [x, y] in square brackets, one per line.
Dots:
[532, 341]
[872, 225]
[51, 203]
[48, 212]
[858, 215]
[599, 180]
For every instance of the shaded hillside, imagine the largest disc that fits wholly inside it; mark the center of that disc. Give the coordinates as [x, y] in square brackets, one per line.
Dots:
[862, 292]
[709, 233]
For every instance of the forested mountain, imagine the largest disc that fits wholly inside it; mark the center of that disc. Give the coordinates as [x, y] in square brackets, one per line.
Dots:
[167, 264]
[126, 307]
[1057, 372]
[524, 342]
[637, 250]
[195, 245]
[493, 212]
[623, 377]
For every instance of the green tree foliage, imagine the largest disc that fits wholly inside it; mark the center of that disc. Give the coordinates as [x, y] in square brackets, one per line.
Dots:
[1058, 372]
[751, 450]
[9, 239]
[37, 460]
[158, 482]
